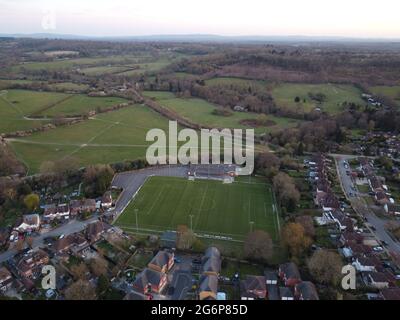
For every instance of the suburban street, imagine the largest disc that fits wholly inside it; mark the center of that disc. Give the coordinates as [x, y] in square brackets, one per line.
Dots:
[361, 207]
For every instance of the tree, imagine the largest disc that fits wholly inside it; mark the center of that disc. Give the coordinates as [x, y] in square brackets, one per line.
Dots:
[185, 237]
[286, 191]
[98, 266]
[79, 271]
[32, 201]
[325, 266]
[308, 225]
[297, 99]
[258, 246]
[80, 290]
[295, 239]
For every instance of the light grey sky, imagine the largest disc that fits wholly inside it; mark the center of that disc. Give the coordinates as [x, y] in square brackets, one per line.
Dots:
[353, 18]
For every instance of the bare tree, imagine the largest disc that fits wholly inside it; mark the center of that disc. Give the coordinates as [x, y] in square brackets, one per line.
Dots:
[258, 246]
[325, 266]
[295, 239]
[80, 290]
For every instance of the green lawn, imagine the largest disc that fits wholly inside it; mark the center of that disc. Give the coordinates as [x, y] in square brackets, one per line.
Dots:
[80, 104]
[285, 94]
[390, 92]
[200, 111]
[217, 208]
[109, 137]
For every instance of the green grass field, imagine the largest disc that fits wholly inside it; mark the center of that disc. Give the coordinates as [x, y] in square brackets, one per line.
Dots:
[390, 92]
[200, 111]
[285, 94]
[109, 137]
[227, 81]
[217, 208]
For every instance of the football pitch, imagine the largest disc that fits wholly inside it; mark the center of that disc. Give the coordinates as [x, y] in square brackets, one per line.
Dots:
[211, 208]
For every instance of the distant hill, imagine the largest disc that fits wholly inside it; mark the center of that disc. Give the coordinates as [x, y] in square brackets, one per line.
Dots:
[202, 38]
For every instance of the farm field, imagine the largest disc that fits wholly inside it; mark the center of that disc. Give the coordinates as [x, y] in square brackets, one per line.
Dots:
[107, 138]
[146, 67]
[80, 104]
[63, 64]
[96, 71]
[12, 120]
[285, 94]
[52, 104]
[200, 111]
[390, 92]
[217, 208]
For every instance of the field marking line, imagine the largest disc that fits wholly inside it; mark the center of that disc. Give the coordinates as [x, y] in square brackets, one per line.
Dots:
[155, 201]
[90, 140]
[201, 207]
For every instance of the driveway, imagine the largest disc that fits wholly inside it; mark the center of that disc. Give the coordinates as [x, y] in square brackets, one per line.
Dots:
[361, 207]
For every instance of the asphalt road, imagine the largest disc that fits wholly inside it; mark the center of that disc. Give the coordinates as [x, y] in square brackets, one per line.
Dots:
[360, 206]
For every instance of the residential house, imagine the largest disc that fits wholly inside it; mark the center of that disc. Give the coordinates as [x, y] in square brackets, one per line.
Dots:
[95, 230]
[211, 262]
[168, 239]
[381, 198]
[29, 223]
[375, 184]
[82, 206]
[271, 277]
[253, 287]
[162, 261]
[30, 264]
[392, 209]
[286, 293]
[364, 264]
[133, 295]
[208, 287]
[150, 281]
[6, 280]
[290, 274]
[272, 292]
[52, 212]
[4, 235]
[343, 222]
[306, 291]
[359, 249]
[74, 243]
[106, 200]
[378, 280]
[330, 202]
[390, 293]
[350, 237]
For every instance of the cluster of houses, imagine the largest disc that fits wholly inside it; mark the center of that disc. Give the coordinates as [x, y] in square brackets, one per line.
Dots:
[379, 143]
[23, 271]
[58, 212]
[359, 249]
[286, 284]
[378, 188]
[371, 100]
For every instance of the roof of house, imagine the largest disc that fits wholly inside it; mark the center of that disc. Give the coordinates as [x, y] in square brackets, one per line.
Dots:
[161, 258]
[391, 293]
[147, 276]
[290, 270]
[96, 228]
[351, 236]
[270, 275]
[380, 195]
[375, 182]
[212, 264]
[285, 292]
[107, 197]
[307, 290]
[330, 201]
[272, 292]
[253, 283]
[212, 252]
[378, 277]
[393, 207]
[4, 273]
[209, 283]
[72, 239]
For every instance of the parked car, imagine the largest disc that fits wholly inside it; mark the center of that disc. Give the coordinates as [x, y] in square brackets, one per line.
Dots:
[377, 249]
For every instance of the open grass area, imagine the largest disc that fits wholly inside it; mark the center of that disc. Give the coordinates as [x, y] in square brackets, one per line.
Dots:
[285, 95]
[217, 208]
[65, 64]
[26, 103]
[80, 104]
[96, 71]
[12, 120]
[109, 137]
[392, 92]
[200, 111]
[146, 67]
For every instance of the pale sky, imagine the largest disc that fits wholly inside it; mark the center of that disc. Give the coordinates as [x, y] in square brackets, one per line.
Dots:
[351, 18]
